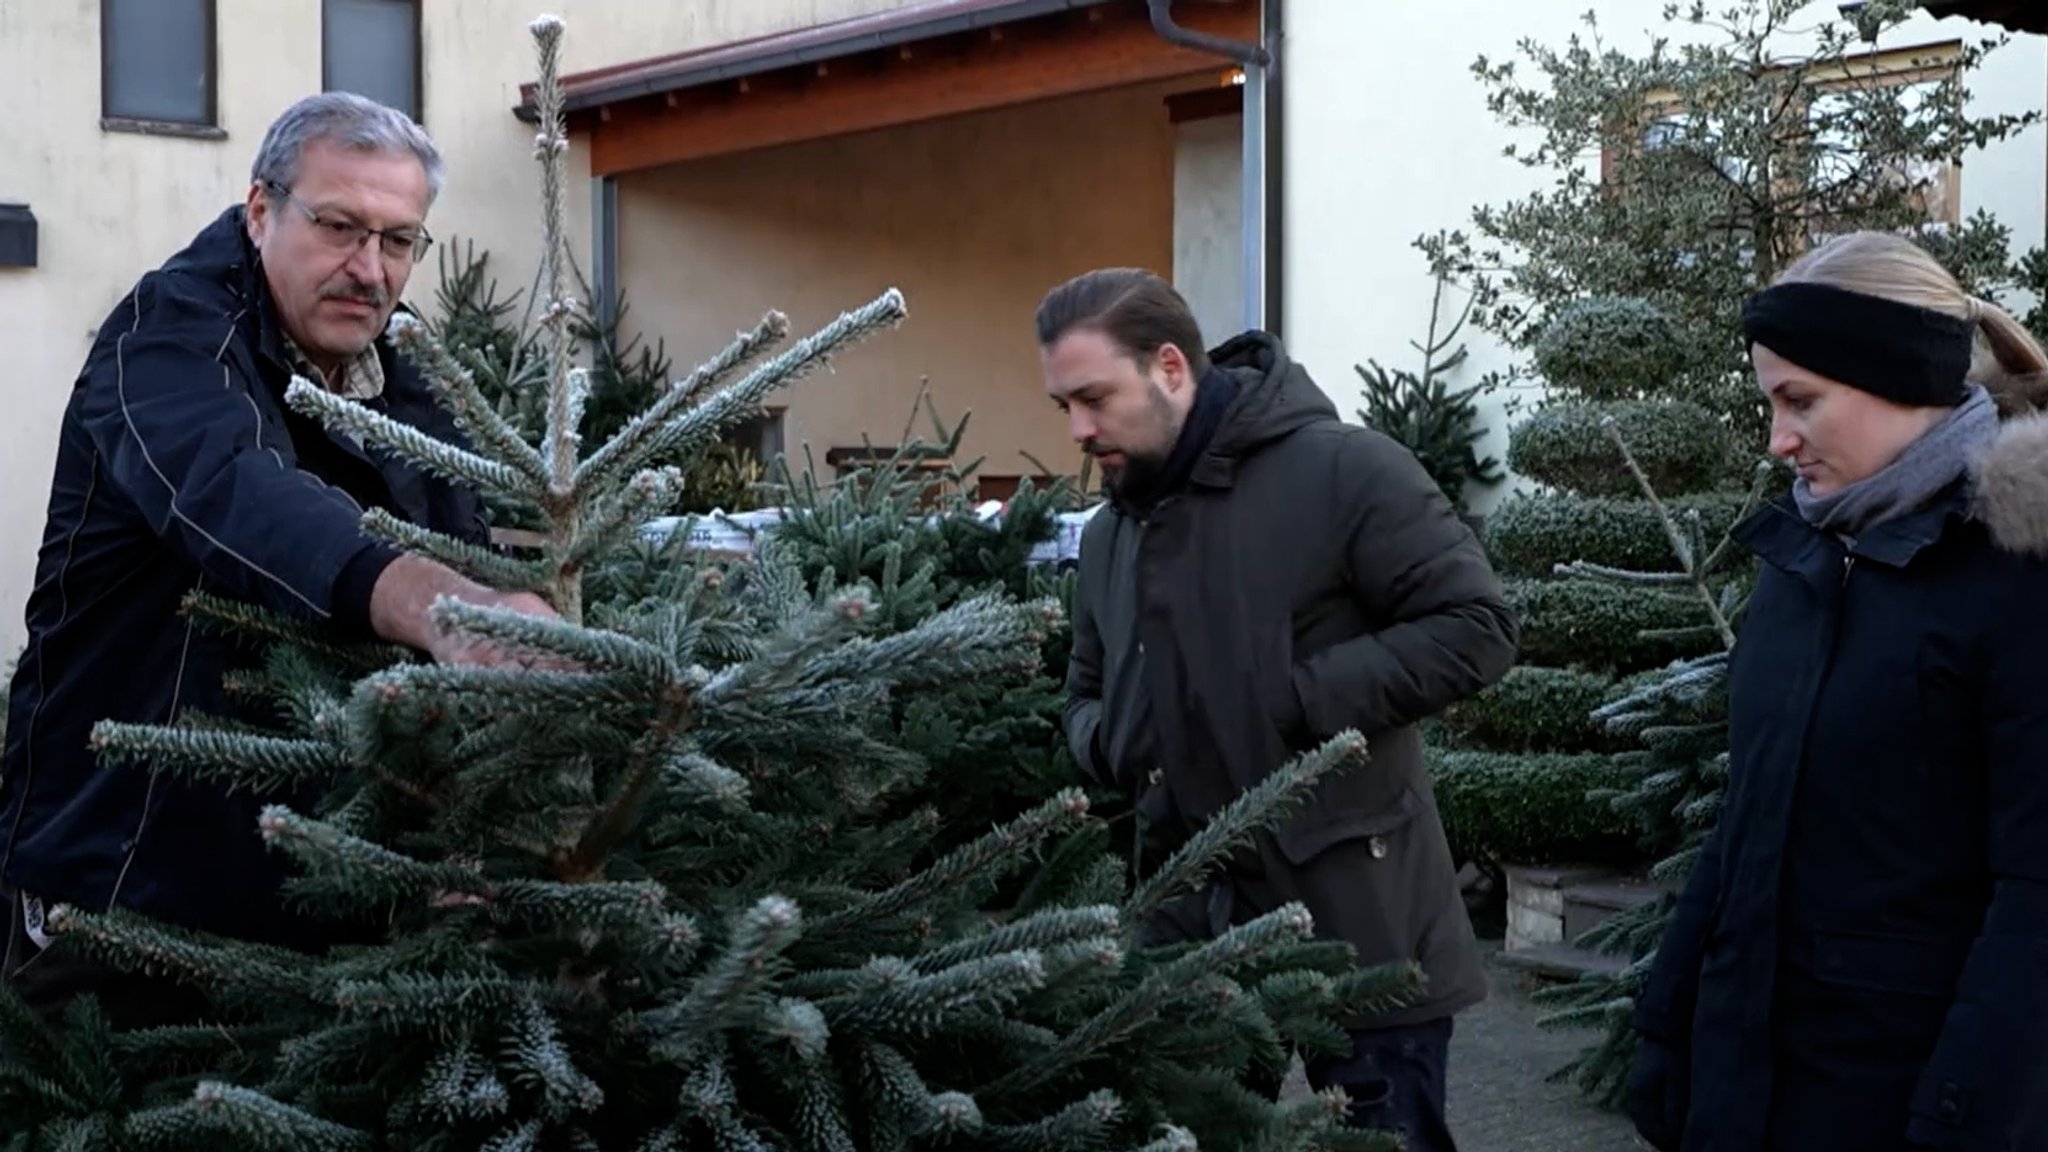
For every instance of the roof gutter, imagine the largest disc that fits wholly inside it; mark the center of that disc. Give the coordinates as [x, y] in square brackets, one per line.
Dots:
[1250, 55]
[1259, 239]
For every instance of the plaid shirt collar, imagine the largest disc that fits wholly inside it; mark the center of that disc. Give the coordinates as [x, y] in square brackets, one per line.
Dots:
[362, 379]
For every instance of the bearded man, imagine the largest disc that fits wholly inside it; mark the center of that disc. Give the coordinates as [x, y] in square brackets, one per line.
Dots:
[1263, 577]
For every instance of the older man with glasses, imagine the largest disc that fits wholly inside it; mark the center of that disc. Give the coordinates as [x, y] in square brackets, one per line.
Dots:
[179, 468]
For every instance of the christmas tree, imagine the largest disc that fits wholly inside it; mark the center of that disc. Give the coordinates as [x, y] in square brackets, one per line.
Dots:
[1514, 764]
[1679, 721]
[1728, 137]
[650, 892]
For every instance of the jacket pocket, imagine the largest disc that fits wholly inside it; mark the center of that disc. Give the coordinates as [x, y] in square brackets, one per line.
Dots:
[1317, 830]
[1899, 965]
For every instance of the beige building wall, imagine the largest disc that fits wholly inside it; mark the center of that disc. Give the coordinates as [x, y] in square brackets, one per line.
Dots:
[973, 217]
[112, 204]
[1208, 222]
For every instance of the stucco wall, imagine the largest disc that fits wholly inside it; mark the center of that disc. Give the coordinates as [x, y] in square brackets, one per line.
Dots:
[1208, 222]
[974, 218]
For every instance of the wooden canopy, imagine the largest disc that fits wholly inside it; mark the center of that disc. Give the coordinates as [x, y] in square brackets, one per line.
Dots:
[918, 62]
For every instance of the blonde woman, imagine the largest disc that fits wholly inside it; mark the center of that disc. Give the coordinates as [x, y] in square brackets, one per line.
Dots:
[1859, 962]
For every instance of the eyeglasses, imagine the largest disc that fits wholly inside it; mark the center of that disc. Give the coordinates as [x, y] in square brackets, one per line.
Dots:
[400, 245]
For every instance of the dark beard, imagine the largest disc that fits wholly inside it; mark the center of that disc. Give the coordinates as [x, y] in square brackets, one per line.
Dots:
[1145, 483]
[1135, 474]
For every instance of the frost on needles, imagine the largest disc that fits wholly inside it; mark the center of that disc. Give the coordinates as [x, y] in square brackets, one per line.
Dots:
[644, 895]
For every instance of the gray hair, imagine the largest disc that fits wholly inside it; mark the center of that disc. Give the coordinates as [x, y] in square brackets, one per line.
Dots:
[348, 121]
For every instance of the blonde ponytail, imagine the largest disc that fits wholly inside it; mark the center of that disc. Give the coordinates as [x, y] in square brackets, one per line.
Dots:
[2017, 371]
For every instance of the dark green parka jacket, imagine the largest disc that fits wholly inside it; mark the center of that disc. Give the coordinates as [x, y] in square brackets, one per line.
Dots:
[1311, 579]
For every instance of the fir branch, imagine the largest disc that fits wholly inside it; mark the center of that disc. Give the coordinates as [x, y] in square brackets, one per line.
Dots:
[799, 1024]
[953, 1114]
[534, 1054]
[819, 1127]
[40, 1068]
[1379, 989]
[243, 1118]
[283, 629]
[444, 1007]
[1046, 930]
[695, 780]
[615, 516]
[722, 994]
[899, 1102]
[622, 814]
[441, 458]
[975, 637]
[973, 861]
[709, 1098]
[1172, 1138]
[238, 759]
[1160, 988]
[486, 565]
[132, 942]
[1234, 826]
[459, 1085]
[640, 442]
[1318, 1115]
[635, 908]
[539, 691]
[891, 1000]
[520, 1137]
[349, 870]
[1086, 1123]
[630, 447]
[455, 387]
[584, 648]
[551, 148]
[1696, 573]
[1624, 576]
[665, 1139]
[1072, 965]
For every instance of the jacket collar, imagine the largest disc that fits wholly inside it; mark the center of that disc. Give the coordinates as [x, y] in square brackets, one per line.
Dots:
[1782, 537]
[1275, 398]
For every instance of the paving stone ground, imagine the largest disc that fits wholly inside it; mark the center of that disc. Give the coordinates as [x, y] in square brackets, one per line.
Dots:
[1499, 1099]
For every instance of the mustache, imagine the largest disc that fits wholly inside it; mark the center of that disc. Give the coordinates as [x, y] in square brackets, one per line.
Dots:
[358, 294]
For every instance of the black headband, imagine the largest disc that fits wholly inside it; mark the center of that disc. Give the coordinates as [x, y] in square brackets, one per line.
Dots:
[1910, 355]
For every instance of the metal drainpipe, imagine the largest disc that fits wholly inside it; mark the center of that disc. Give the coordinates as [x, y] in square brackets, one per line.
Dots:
[1257, 64]
[604, 243]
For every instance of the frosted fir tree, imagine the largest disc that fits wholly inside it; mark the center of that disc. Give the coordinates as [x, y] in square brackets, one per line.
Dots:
[1678, 719]
[644, 895]
[1514, 763]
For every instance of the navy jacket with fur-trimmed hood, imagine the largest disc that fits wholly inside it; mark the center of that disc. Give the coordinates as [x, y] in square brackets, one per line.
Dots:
[1860, 959]
[180, 467]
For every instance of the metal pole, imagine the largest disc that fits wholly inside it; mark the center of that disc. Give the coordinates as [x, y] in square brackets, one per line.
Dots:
[604, 244]
[1252, 226]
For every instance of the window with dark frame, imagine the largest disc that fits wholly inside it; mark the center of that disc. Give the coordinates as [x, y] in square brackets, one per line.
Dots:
[157, 63]
[372, 48]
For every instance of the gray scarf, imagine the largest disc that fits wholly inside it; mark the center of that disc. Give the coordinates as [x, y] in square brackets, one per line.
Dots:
[1929, 464]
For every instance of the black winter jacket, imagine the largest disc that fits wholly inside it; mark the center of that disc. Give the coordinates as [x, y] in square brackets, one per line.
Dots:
[1860, 959]
[179, 467]
[1311, 578]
